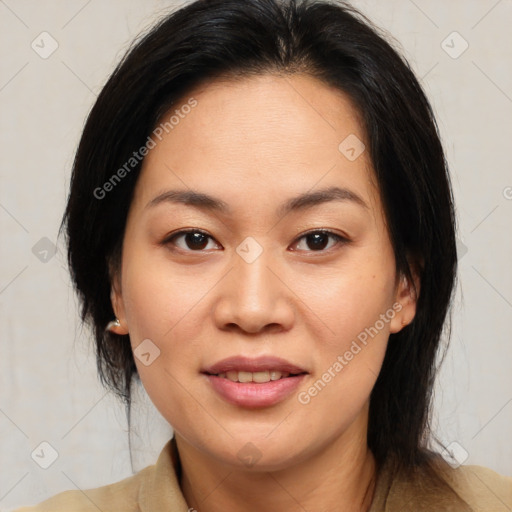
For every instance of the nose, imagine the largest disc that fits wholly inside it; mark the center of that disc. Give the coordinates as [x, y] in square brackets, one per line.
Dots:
[254, 298]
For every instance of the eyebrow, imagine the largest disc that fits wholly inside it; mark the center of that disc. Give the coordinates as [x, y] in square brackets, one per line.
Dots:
[300, 202]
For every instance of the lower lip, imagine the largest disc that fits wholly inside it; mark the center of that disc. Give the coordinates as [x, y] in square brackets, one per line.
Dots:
[255, 395]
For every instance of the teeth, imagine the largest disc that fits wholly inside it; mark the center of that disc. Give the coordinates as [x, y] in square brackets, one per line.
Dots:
[258, 377]
[261, 377]
[244, 377]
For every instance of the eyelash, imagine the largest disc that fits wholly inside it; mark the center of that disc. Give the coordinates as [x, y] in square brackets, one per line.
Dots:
[339, 239]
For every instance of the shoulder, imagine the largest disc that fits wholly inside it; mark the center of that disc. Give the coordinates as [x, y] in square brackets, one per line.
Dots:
[435, 486]
[481, 487]
[155, 487]
[122, 495]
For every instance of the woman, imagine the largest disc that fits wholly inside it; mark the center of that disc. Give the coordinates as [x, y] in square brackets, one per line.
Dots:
[261, 228]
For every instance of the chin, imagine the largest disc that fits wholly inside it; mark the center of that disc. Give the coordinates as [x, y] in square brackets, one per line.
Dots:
[257, 454]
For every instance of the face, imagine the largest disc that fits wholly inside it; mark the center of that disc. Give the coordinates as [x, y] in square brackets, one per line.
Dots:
[259, 315]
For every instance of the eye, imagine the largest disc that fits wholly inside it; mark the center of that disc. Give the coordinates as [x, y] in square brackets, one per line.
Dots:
[195, 240]
[318, 240]
[190, 240]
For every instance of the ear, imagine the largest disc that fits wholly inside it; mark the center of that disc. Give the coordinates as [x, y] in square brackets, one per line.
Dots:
[406, 299]
[116, 298]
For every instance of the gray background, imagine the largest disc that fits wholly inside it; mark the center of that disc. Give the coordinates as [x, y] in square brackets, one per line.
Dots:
[49, 390]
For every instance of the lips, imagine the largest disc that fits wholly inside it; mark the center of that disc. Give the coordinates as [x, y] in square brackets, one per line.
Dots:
[244, 365]
[258, 377]
[254, 382]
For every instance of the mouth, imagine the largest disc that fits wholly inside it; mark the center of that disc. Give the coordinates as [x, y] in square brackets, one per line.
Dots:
[261, 369]
[254, 383]
[258, 377]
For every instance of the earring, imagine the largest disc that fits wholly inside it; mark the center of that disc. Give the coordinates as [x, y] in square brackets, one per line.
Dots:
[113, 324]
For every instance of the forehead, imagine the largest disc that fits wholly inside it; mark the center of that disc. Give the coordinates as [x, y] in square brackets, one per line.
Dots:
[273, 111]
[264, 135]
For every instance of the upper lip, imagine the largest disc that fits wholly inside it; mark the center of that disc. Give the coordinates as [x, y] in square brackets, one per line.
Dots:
[257, 364]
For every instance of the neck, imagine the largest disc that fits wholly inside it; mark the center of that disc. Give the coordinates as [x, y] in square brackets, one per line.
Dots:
[338, 477]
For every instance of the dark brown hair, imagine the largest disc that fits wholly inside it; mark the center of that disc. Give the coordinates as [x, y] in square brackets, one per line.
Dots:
[331, 41]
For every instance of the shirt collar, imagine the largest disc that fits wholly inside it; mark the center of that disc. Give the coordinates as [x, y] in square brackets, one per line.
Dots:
[160, 490]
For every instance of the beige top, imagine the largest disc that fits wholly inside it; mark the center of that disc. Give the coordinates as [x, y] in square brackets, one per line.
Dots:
[156, 489]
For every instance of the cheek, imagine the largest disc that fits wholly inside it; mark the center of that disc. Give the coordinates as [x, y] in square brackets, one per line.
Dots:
[348, 365]
[168, 307]
[162, 309]
[351, 302]
[158, 299]
[357, 309]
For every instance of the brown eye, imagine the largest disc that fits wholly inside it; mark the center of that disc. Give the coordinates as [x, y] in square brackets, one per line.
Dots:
[318, 241]
[192, 240]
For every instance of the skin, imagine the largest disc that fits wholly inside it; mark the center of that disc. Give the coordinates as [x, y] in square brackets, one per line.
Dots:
[255, 143]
